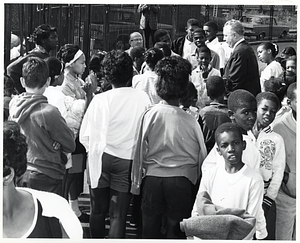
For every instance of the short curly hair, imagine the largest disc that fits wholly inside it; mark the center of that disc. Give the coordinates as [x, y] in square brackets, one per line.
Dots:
[268, 96]
[35, 72]
[67, 52]
[173, 77]
[239, 97]
[14, 149]
[227, 127]
[215, 87]
[117, 68]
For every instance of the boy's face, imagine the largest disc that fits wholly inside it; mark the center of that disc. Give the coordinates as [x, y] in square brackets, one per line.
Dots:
[266, 112]
[209, 32]
[231, 146]
[290, 66]
[199, 39]
[203, 59]
[190, 30]
[293, 102]
[79, 65]
[167, 39]
[244, 116]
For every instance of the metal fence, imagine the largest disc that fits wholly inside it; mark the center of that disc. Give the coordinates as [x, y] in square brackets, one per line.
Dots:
[100, 26]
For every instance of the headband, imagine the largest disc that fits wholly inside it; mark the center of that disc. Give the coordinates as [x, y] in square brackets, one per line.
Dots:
[77, 55]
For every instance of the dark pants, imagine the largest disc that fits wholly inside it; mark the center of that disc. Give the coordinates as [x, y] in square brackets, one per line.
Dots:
[41, 182]
[147, 33]
[166, 201]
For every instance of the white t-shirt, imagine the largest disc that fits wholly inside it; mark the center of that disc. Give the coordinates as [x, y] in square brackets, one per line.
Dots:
[250, 157]
[243, 189]
[273, 69]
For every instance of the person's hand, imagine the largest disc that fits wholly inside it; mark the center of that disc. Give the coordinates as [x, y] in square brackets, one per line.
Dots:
[90, 85]
[56, 145]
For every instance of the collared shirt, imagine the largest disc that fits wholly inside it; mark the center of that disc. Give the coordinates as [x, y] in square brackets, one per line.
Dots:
[41, 49]
[238, 42]
[187, 48]
[216, 46]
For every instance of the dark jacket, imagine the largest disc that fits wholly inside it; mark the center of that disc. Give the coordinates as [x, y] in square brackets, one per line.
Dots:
[14, 69]
[177, 45]
[241, 70]
[42, 124]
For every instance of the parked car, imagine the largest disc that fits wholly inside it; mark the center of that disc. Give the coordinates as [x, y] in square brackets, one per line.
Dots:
[259, 26]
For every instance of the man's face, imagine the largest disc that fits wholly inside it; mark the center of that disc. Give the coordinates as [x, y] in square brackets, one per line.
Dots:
[190, 30]
[52, 42]
[136, 40]
[209, 32]
[167, 39]
[199, 39]
[229, 36]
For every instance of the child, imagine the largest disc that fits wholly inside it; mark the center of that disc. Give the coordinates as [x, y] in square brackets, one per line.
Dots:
[234, 185]
[216, 112]
[286, 198]
[171, 157]
[47, 132]
[201, 73]
[242, 108]
[188, 103]
[147, 80]
[272, 153]
[199, 39]
[108, 134]
[266, 53]
[29, 213]
[78, 94]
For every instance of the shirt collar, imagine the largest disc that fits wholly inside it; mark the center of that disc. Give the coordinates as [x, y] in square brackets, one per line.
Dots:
[238, 42]
[41, 49]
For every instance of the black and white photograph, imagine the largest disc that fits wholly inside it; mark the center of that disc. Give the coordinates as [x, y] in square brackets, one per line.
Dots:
[197, 101]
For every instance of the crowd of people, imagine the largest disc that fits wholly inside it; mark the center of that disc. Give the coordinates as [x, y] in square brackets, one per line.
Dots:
[187, 130]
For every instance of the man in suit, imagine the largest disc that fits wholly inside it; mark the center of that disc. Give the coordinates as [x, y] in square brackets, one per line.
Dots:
[241, 70]
[148, 21]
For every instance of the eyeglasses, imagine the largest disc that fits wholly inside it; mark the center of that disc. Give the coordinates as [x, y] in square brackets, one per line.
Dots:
[137, 39]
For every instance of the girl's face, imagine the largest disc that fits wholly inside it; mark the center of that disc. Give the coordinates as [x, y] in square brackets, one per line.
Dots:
[203, 59]
[79, 66]
[266, 112]
[290, 66]
[263, 54]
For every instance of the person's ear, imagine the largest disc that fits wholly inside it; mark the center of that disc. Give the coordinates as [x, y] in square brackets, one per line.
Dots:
[48, 82]
[218, 150]
[9, 178]
[244, 145]
[22, 80]
[231, 114]
[288, 101]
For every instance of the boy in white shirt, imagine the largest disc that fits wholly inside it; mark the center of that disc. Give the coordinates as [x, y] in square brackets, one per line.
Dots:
[234, 185]
[242, 107]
